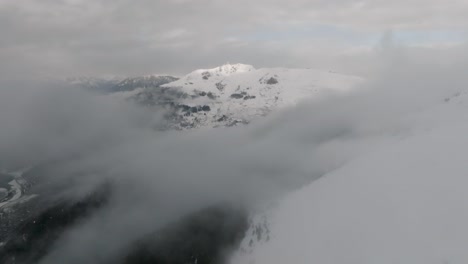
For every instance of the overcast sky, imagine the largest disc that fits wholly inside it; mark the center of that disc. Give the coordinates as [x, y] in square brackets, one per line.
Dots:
[132, 37]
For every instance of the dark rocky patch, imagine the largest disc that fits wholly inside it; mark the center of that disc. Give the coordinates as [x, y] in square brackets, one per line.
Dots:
[223, 118]
[220, 86]
[159, 96]
[192, 109]
[206, 75]
[184, 108]
[237, 122]
[237, 96]
[272, 81]
[269, 81]
[211, 95]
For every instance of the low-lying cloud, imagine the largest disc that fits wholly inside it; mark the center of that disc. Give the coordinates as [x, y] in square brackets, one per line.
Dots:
[159, 176]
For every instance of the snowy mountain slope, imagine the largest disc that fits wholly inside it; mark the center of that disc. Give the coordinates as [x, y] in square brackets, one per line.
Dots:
[239, 93]
[403, 200]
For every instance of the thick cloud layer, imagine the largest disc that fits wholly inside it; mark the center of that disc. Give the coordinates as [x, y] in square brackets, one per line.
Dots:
[402, 199]
[160, 176]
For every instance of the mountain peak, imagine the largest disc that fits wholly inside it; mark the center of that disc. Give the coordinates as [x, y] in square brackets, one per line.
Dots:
[235, 68]
[223, 70]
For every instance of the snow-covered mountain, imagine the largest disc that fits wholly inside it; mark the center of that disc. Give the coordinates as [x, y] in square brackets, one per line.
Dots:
[223, 96]
[239, 93]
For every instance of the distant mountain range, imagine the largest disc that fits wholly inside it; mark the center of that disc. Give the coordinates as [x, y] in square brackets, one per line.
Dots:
[113, 85]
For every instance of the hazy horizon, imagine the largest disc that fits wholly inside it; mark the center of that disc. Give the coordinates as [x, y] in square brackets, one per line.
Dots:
[59, 38]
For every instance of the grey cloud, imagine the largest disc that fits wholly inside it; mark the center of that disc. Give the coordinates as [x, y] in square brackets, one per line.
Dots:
[62, 38]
